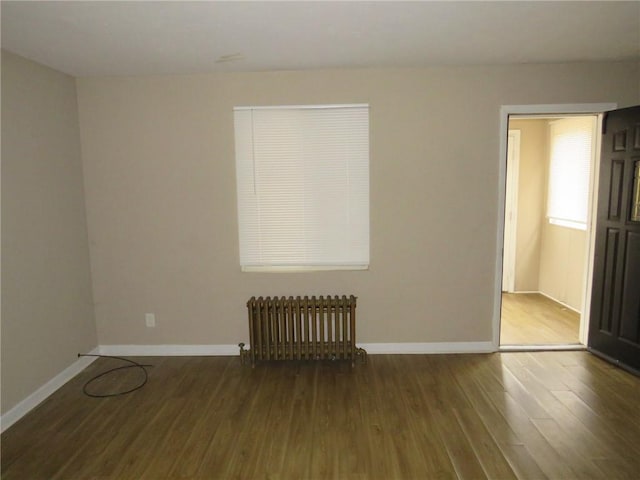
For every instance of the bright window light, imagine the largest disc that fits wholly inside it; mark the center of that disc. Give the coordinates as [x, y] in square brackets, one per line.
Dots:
[303, 187]
[570, 172]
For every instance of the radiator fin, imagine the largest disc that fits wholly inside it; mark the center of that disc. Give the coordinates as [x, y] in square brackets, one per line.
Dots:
[302, 328]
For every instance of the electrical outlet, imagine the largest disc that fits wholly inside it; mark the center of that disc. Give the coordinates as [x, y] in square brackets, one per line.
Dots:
[150, 319]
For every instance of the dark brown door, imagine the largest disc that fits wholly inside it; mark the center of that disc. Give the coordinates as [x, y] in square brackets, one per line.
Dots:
[614, 328]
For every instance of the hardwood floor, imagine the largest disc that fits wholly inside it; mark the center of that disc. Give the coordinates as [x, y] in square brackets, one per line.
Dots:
[533, 319]
[555, 415]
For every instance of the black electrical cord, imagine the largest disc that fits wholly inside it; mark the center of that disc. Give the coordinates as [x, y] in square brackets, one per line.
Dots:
[133, 363]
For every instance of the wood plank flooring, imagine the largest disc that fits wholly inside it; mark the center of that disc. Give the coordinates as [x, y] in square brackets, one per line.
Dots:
[533, 319]
[555, 415]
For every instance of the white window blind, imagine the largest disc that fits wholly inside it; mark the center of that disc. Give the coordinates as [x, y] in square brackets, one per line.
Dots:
[303, 186]
[570, 171]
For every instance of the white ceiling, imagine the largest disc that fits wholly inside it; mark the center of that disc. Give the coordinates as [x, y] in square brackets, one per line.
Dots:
[149, 37]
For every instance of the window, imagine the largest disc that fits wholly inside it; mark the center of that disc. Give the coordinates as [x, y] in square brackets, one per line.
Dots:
[303, 187]
[570, 171]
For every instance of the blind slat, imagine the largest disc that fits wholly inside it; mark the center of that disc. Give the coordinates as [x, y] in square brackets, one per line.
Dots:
[570, 170]
[303, 186]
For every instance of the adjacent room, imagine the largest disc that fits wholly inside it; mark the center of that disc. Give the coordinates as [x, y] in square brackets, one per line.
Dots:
[167, 166]
[547, 228]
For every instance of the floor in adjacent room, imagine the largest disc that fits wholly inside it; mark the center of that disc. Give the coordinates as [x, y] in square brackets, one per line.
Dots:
[504, 415]
[533, 319]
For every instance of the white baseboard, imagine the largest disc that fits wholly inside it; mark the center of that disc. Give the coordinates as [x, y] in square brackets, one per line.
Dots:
[541, 348]
[428, 348]
[37, 397]
[170, 350]
[231, 350]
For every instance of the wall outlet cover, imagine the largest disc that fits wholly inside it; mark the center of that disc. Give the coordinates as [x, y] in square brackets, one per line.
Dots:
[150, 319]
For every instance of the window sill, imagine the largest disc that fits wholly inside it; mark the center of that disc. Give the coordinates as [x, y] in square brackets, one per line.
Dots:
[299, 269]
[568, 224]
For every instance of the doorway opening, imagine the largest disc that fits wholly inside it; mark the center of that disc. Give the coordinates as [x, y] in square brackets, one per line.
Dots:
[547, 243]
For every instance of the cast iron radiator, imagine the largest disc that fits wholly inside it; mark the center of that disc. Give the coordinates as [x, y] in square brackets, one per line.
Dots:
[307, 328]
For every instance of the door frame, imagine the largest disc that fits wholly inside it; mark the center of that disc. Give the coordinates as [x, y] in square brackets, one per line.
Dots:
[511, 204]
[542, 110]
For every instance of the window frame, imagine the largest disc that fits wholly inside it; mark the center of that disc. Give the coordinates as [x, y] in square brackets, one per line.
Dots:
[574, 222]
[304, 266]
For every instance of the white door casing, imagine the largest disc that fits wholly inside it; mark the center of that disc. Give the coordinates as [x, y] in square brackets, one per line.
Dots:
[542, 109]
[511, 212]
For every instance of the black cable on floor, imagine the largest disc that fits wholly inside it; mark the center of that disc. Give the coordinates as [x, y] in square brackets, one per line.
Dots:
[133, 364]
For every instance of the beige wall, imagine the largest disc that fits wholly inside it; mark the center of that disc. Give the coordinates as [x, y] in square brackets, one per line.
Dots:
[47, 310]
[531, 201]
[562, 259]
[160, 184]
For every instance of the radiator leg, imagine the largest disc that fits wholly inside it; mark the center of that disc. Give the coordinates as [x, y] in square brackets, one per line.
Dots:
[362, 353]
[243, 354]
